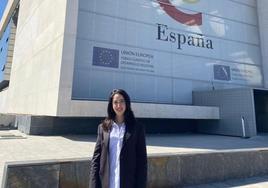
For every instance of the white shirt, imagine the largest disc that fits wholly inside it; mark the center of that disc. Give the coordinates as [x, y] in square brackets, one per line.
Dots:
[115, 146]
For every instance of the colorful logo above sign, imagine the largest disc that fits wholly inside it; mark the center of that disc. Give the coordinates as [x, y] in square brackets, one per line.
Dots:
[178, 15]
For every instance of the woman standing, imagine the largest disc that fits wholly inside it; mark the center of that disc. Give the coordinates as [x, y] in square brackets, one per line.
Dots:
[120, 158]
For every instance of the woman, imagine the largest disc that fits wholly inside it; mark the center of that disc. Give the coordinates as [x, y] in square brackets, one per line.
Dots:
[120, 158]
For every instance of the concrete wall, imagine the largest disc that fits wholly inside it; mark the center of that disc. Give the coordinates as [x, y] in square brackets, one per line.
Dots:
[233, 104]
[35, 74]
[4, 102]
[163, 170]
[263, 29]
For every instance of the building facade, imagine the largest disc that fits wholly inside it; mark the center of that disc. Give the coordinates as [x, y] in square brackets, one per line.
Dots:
[68, 55]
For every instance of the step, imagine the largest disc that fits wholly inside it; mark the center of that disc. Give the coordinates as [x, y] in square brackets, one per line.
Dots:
[164, 170]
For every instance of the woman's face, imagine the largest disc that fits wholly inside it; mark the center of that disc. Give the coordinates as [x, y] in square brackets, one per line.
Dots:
[119, 105]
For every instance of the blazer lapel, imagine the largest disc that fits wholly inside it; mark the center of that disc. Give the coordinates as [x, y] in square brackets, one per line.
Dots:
[127, 135]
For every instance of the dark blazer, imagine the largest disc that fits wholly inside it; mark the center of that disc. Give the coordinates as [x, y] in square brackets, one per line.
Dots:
[133, 159]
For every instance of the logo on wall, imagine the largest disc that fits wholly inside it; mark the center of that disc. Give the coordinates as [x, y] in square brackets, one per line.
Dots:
[222, 72]
[180, 16]
[105, 57]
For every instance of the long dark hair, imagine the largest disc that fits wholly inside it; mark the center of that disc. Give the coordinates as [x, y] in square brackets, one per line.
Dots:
[129, 117]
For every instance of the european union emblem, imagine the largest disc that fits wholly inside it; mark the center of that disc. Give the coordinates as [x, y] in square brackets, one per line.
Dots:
[105, 57]
[222, 72]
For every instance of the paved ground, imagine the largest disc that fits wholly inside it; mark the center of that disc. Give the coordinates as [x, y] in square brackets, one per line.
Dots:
[15, 146]
[254, 182]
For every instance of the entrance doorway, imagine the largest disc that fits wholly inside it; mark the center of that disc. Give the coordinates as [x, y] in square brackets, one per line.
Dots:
[261, 110]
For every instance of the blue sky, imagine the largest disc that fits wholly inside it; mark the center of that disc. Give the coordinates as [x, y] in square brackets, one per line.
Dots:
[2, 54]
[2, 6]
